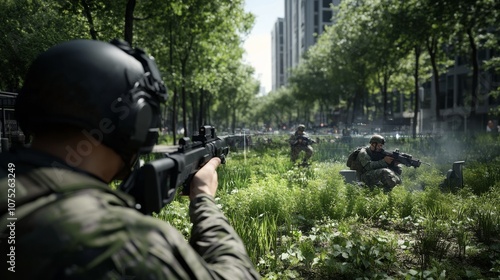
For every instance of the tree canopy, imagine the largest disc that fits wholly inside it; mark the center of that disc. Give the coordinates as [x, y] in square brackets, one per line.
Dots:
[372, 50]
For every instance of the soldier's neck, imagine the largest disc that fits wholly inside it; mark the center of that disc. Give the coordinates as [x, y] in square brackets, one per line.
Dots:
[80, 152]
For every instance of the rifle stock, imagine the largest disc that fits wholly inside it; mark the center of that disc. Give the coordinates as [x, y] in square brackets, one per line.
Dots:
[155, 184]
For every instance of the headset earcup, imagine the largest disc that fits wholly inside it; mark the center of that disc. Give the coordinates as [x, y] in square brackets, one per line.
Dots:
[142, 122]
[135, 127]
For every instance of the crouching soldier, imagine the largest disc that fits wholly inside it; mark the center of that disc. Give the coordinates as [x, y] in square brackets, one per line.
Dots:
[376, 167]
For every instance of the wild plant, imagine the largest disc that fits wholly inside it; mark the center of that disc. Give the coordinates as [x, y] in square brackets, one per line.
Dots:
[487, 222]
[431, 273]
[431, 241]
[177, 214]
[460, 225]
[481, 177]
[355, 252]
[260, 233]
[307, 223]
[406, 205]
[233, 176]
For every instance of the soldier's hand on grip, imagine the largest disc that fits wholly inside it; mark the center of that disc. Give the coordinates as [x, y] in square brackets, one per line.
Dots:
[388, 159]
[206, 179]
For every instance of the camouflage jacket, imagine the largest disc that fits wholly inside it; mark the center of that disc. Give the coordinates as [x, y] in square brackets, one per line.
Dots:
[76, 227]
[371, 160]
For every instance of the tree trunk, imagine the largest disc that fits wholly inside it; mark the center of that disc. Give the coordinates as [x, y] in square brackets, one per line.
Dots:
[201, 110]
[208, 116]
[90, 20]
[475, 73]
[176, 95]
[129, 21]
[233, 121]
[348, 110]
[194, 112]
[432, 49]
[183, 97]
[356, 104]
[415, 114]
[384, 97]
[184, 113]
[174, 115]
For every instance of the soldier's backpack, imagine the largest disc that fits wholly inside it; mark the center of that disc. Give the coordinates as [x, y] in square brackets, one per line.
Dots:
[352, 160]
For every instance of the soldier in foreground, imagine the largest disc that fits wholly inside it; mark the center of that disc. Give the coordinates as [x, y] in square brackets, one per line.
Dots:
[376, 167]
[300, 141]
[92, 107]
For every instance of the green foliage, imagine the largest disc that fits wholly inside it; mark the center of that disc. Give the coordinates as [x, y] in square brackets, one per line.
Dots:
[307, 223]
[487, 217]
[480, 177]
[344, 230]
[196, 43]
[177, 214]
[431, 240]
[260, 233]
[322, 200]
[263, 197]
[363, 253]
[375, 47]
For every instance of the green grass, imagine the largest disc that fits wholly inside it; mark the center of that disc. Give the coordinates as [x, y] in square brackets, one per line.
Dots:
[306, 223]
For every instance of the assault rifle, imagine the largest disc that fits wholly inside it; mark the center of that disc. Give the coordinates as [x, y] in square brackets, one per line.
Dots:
[302, 140]
[155, 184]
[403, 158]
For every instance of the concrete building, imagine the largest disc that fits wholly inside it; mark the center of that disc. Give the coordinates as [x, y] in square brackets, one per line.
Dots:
[454, 106]
[304, 20]
[10, 131]
[455, 87]
[278, 54]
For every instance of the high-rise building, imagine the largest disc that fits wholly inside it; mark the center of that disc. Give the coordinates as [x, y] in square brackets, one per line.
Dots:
[305, 20]
[277, 54]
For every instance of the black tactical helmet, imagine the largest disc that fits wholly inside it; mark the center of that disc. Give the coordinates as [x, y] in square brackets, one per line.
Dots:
[109, 89]
[377, 139]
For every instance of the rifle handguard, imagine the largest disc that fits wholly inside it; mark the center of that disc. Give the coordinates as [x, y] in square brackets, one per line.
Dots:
[155, 183]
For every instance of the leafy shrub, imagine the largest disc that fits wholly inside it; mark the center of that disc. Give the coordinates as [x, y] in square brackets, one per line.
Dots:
[267, 195]
[431, 240]
[482, 177]
[307, 223]
[177, 214]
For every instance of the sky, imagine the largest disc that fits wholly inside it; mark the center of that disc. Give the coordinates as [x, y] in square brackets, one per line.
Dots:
[258, 43]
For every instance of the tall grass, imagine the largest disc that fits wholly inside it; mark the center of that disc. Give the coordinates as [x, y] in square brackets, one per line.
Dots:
[307, 223]
[260, 233]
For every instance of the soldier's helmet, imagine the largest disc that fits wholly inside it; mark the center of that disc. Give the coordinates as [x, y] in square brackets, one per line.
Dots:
[377, 139]
[301, 127]
[111, 90]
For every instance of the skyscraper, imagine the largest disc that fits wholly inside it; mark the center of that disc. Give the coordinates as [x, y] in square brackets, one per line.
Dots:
[278, 59]
[304, 20]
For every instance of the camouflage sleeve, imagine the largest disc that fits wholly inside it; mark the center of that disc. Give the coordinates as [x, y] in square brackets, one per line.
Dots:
[216, 251]
[89, 235]
[367, 163]
[217, 242]
[396, 168]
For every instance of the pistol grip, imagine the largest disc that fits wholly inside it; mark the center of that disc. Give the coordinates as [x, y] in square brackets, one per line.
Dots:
[186, 187]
